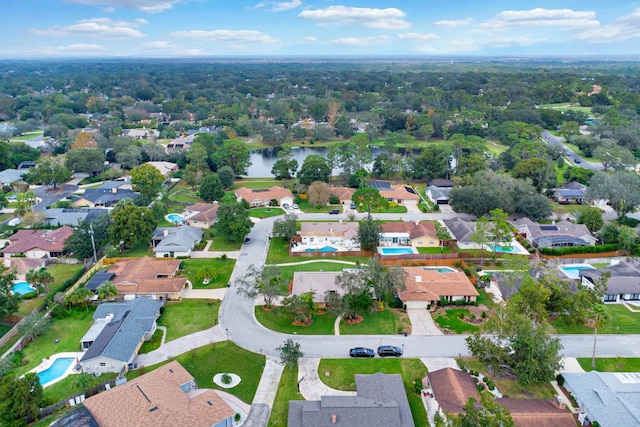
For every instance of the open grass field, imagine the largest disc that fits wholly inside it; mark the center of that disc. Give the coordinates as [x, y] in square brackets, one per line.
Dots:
[278, 321]
[223, 357]
[287, 390]
[342, 377]
[222, 268]
[621, 321]
[564, 106]
[613, 364]
[188, 316]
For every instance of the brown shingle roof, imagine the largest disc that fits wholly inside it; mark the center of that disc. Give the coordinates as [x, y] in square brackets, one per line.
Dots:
[156, 399]
[47, 240]
[414, 230]
[342, 193]
[348, 230]
[207, 212]
[430, 285]
[452, 388]
[147, 275]
[399, 192]
[536, 413]
[274, 192]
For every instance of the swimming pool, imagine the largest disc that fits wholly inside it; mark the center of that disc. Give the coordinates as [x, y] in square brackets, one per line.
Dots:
[56, 370]
[22, 288]
[441, 269]
[504, 249]
[573, 270]
[323, 249]
[175, 218]
[396, 250]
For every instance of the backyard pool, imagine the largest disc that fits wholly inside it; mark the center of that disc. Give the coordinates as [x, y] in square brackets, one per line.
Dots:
[56, 370]
[175, 218]
[22, 288]
[383, 250]
[504, 249]
[441, 269]
[573, 270]
[323, 249]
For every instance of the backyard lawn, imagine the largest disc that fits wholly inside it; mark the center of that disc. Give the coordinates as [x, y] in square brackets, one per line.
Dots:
[188, 316]
[223, 268]
[138, 251]
[61, 273]
[342, 377]
[277, 321]
[621, 321]
[287, 390]
[612, 364]
[223, 357]
[66, 388]
[4, 329]
[385, 322]
[437, 250]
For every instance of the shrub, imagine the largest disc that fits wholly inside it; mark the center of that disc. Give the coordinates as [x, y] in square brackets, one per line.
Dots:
[226, 379]
[417, 385]
[560, 379]
[484, 314]
[491, 386]
[611, 247]
[237, 417]
[436, 208]
[480, 387]
[30, 295]
[223, 257]
[393, 204]
[333, 200]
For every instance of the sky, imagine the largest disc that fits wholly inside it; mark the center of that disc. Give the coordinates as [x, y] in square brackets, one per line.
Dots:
[210, 28]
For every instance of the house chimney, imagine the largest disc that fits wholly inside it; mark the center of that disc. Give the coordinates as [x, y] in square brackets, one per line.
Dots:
[418, 222]
[334, 418]
[165, 232]
[114, 190]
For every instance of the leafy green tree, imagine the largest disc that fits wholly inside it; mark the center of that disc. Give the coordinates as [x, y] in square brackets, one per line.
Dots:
[20, 399]
[385, 282]
[130, 157]
[48, 171]
[614, 157]
[34, 325]
[622, 189]
[299, 307]
[369, 233]
[535, 207]
[211, 188]
[532, 299]
[147, 180]
[79, 243]
[314, 168]
[197, 166]
[41, 278]
[285, 228]
[107, 291]
[481, 235]
[501, 230]
[232, 153]
[25, 202]
[86, 160]
[284, 168]
[80, 296]
[131, 224]
[318, 194]
[267, 283]
[9, 302]
[485, 413]
[541, 172]
[232, 221]
[368, 199]
[592, 218]
[226, 176]
[289, 353]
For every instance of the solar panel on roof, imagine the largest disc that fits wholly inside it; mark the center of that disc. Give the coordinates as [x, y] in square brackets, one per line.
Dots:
[380, 185]
[410, 190]
[549, 228]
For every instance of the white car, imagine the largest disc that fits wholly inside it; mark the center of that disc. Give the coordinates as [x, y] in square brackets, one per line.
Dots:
[286, 206]
[294, 206]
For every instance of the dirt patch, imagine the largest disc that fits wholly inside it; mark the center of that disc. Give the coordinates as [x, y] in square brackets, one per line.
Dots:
[358, 319]
[265, 308]
[304, 324]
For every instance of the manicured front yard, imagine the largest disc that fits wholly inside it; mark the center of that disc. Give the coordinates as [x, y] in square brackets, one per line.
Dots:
[277, 321]
[342, 377]
[621, 321]
[188, 316]
[612, 364]
[222, 268]
[287, 390]
[385, 322]
[453, 322]
[266, 212]
[223, 357]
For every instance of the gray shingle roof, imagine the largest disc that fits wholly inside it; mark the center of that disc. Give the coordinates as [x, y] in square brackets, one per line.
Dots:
[439, 193]
[72, 217]
[8, 176]
[106, 196]
[177, 239]
[460, 229]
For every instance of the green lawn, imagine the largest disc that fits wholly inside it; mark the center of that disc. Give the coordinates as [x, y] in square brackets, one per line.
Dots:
[27, 136]
[140, 250]
[184, 193]
[4, 329]
[153, 343]
[342, 377]
[277, 321]
[621, 321]
[204, 362]
[613, 364]
[68, 330]
[569, 209]
[385, 322]
[224, 268]
[396, 209]
[221, 243]
[65, 387]
[61, 273]
[307, 207]
[188, 316]
[453, 322]
[287, 390]
[436, 250]
[564, 106]
[511, 388]
[266, 212]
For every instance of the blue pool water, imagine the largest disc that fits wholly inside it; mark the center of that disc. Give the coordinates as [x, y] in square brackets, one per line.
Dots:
[441, 269]
[22, 288]
[573, 271]
[56, 370]
[175, 218]
[396, 250]
[504, 249]
[323, 249]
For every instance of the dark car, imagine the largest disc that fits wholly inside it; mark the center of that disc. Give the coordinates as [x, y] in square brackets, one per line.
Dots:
[577, 160]
[361, 352]
[389, 350]
[247, 240]
[334, 212]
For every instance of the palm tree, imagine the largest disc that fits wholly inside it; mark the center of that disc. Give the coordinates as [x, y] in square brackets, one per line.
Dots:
[599, 317]
[25, 202]
[206, 273]
[80, 296]
[107, 291]
[40, 278]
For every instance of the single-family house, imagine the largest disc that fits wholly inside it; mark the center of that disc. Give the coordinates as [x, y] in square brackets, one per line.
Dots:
[264, 196]
[462, 230]
[419, 234]
[148, 277]
[561, 234]
[451, 389]
[121, 184]
[318, 282]
[57, 217]
[165, 168]
[113, 341]
[202, 215]
[425, 287]
[438, 195]
[401, 194]
[623, 283]
[503, 285]
[21, 266]
[99, 279]
[175, 242]
[380, 401]
[141, 133]
[103, 197]
[343, 234]
[571, 192]
[344, 194]
[182, 142]
[166, 396]
[441, 182]
[9, 176]
[609, 398]
[37, 243]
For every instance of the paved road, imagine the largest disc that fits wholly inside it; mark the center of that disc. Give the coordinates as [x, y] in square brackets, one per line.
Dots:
[560, 142]
[236, 315]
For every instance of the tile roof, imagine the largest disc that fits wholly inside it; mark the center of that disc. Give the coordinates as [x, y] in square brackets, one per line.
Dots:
[147, 275]
[206, 212]
[452, 388]
[536, 413]
[399, 192]
[23, 265]
[157, 399]
[342, 193]
[46, 240]
[430, 285]
[413, 229]
[274, 192]
[347, 230]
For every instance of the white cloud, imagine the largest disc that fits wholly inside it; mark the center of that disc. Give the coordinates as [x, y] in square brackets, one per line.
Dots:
[244, 36]
[310, 39]
[96, 28]
[382, 19]
[419, 36]
[454, 24]
[624, 28]
[278, 6]
[157, 45]
[150, 6]
[361, 41]
[539, 17]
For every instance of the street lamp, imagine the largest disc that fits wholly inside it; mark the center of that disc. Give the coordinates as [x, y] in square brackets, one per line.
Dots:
[227, 331]
[93, 243]
[403, 351]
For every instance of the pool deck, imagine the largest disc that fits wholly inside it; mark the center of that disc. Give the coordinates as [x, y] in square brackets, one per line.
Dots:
[46, 364]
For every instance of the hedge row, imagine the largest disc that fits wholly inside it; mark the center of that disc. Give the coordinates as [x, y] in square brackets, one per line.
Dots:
[611, 247]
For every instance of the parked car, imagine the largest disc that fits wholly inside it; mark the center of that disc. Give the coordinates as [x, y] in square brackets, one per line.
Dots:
[361, 352]
[294, 206]
[334, 212]
[577, 160]
[389, 350]
[247, 240]
[353, 205]
[286, 206]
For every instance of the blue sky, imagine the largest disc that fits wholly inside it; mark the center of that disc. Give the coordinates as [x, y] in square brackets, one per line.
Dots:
[192, 28]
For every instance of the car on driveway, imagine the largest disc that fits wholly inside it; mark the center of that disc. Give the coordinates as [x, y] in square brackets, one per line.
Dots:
[361, 352]
[389, 350]
[294, 206]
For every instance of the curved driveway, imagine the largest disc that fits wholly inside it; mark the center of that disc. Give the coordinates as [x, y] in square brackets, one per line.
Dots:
[237, 316]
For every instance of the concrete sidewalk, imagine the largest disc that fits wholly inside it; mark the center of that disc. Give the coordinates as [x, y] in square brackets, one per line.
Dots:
[310, 385]
[268, 386]
[570, 364]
